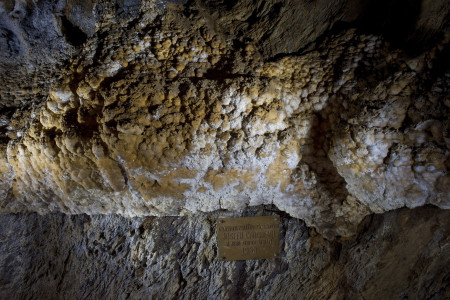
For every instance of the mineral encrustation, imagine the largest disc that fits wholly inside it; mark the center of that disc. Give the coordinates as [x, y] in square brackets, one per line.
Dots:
[326, 112]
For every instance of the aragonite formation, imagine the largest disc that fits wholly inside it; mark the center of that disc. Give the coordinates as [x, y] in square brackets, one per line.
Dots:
[168, 115]
[129, 127]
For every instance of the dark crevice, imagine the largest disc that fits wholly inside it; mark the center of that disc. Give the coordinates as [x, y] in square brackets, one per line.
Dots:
[123, 172]
[74, 35]
[96, 60]
[240, 279]
[4, 139]
[331, 181]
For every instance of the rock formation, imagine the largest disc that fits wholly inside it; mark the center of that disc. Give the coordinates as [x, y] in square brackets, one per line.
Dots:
[167, 114]
[400, 254]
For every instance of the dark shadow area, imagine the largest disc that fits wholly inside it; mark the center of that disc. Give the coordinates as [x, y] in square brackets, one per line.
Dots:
[441, 63]
[74, 35]
[9, 43]
[127, 9]
[4, 139]
[395, 20]
[315, 155]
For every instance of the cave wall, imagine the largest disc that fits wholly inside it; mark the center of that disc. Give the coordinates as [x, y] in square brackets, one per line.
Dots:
[167, 111]
[129, 126]
[402, 254]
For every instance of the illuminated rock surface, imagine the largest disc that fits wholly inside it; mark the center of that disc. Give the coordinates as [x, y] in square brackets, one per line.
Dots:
[325, 113]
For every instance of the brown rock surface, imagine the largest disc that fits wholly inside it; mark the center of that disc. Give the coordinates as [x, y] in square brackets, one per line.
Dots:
[130, 126]
[169, 115]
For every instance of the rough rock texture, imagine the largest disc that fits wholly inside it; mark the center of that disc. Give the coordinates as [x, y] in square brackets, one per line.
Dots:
[166, 111]
[36, 38]
[399, 255]
[129, 126]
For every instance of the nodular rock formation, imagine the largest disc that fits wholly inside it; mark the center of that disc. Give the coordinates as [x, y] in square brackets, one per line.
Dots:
[127, 127]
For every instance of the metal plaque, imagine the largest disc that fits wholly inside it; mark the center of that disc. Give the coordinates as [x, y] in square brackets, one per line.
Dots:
[248, 238]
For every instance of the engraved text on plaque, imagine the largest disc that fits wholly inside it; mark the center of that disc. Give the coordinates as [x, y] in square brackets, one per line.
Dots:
[248, 238]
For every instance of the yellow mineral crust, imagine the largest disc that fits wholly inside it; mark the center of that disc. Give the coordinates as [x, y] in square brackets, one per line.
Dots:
[172, 120]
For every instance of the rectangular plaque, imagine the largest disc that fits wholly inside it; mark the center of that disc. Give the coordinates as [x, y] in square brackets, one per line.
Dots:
[248, 238]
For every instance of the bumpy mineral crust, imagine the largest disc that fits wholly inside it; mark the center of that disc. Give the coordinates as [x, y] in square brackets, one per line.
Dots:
[168, 115]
